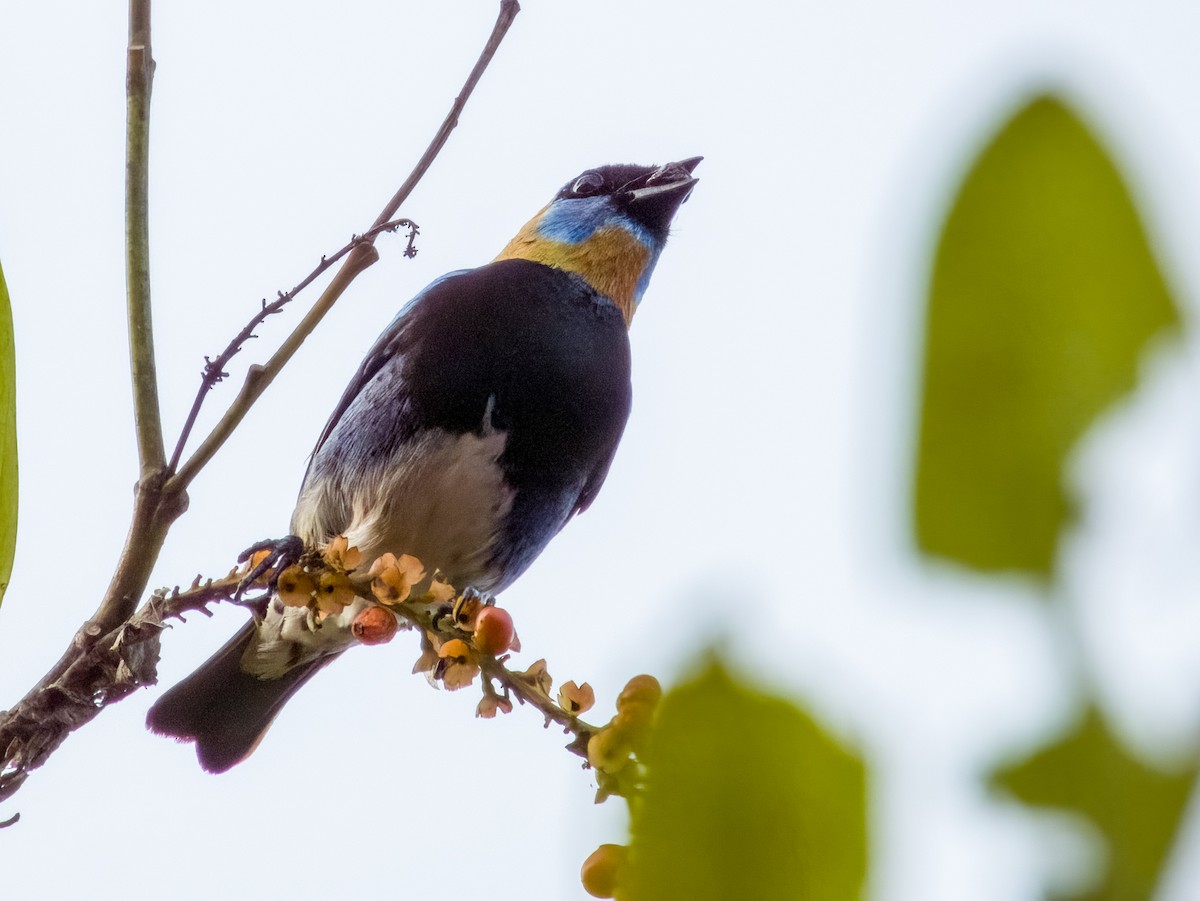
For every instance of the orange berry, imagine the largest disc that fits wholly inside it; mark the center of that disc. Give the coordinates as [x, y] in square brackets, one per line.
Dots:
[493, 630]
[633, 721]
[640, 690]
[374, 625]
[601, 872]
[609, 750]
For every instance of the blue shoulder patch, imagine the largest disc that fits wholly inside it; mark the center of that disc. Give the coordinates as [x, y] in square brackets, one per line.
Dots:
[420, 294]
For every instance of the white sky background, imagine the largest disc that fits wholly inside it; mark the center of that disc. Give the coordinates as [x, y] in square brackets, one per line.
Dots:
[760, 490]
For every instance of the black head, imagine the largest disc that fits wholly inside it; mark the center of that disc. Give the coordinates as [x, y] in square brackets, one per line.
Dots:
[650, 195]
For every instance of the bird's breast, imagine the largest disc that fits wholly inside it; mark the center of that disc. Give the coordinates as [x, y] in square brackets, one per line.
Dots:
[612, 260]
[442, 498]
[492, 420]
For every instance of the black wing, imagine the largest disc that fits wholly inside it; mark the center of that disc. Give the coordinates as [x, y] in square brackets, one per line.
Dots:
[594, 481]
[386, 347]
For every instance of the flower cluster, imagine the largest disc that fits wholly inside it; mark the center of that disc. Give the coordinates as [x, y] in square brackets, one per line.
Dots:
[322, 584]
[458, 639]
[465, 635]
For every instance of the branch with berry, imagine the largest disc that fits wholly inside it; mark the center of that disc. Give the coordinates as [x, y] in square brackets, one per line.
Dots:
[464, 636]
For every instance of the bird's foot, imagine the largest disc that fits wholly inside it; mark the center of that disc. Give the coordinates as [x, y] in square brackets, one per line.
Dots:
[462, 611]
[283, 552]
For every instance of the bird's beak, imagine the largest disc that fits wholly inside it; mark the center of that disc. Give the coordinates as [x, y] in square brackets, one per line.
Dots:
[656, 199]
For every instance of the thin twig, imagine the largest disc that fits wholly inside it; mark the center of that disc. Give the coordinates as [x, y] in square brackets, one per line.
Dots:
[515, 683]
[508, 12]
[139, 79]
[362, 256]
[121, 661]
[214, 368]
[148, 529]
[518, 684]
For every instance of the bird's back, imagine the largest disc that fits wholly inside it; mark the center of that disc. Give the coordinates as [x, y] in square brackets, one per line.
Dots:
[492, 418]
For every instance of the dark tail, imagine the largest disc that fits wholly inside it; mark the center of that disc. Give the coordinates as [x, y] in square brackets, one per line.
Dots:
[224, 710]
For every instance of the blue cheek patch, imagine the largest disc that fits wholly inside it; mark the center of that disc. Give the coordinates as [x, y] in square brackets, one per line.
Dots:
[574, 221]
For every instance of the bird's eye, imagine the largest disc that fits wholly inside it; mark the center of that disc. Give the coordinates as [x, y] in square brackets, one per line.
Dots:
[588, 183]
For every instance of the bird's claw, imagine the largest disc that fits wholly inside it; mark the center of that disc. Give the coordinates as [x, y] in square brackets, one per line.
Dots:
[462, 610]
[283, 553]
[481, 597]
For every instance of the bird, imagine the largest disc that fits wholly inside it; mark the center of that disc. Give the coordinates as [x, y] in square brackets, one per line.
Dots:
[484, 417]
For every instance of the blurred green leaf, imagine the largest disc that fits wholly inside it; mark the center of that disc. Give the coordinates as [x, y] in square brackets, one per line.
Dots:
[746, 798]
[1044, 294]
[8, 439]
[1135, 807]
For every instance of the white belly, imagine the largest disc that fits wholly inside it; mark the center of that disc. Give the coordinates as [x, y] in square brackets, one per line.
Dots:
[443, 501]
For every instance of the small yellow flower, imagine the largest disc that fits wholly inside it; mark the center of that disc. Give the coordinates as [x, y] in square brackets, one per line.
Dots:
[459, 675]
[576, 699]
[455, 649]
[490, 705]
[392, 577]
[440, 591]
[429, 657]
[295, 587]
[457, 668]
[340, 555]
[538, 676]
[334, 592]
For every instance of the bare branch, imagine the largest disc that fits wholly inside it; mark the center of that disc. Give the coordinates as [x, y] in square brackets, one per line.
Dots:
[214, 368]
[508, 12]
[115, 651]
[139, 78]
[148, 528]
[120, 662]
[126, 658]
